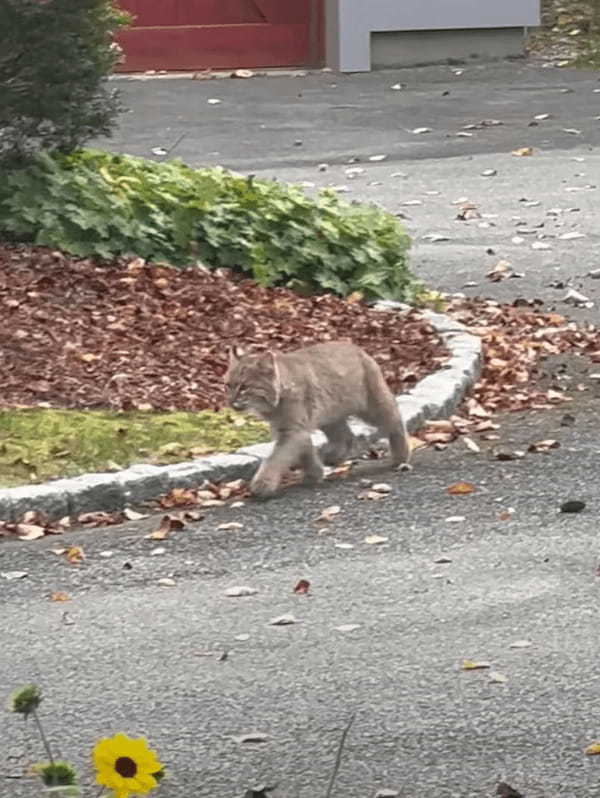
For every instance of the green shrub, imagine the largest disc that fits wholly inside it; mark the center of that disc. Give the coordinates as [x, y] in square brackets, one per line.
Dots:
[54, 58]
[94, 203]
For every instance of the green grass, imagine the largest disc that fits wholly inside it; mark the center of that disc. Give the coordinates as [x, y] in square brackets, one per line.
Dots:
[40, 444]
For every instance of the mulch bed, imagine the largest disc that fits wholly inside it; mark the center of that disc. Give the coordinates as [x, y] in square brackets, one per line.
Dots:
[126, 335]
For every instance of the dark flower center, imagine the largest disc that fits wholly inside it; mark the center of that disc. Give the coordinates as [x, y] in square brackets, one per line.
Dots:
[126, 767]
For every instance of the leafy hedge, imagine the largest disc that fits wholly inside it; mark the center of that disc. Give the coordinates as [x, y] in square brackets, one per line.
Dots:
[92, 203]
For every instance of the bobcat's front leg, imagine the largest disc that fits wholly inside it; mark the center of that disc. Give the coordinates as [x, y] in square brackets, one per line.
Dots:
[288, 451]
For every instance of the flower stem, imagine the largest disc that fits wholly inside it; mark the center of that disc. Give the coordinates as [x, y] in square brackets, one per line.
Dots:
[43, 736]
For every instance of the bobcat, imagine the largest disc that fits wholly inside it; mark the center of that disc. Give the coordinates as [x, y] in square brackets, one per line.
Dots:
[317, 387]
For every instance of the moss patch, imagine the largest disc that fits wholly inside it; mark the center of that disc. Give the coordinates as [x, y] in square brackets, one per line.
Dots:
[40, 444]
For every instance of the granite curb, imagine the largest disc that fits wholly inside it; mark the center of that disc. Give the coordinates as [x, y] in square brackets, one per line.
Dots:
[435, 396]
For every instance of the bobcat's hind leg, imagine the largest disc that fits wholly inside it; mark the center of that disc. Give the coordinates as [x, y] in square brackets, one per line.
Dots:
[390, 425]
[340, 443]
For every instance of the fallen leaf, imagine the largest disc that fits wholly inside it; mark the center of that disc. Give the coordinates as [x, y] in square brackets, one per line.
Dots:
[523, 151]
[521, 644]
[132, 515]
[252, 737]
[371, 495]
[501, 271]
[240, 590]
[166, 582]
[375, 540]
[302, 587]
[168, 524]
[328, 514]
[505, 455]
[11, 575]
[592, 749]
[498, 678]
[283, 620]
[59, 596]
[348, 627]
[242, 73]
[30, 531]
[229, 526]
[471, 445]
[543, 446]
[460, 488]
[382, 487]
[504, 790]
[571, 236]
[75, 555]
[572, 506]
[344, 546]
[473, 665]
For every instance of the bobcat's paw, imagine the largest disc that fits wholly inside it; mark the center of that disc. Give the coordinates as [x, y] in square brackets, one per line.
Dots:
[264, 486]
[404, 467]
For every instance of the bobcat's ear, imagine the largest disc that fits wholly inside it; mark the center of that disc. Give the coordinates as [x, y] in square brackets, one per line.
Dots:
[235, 353]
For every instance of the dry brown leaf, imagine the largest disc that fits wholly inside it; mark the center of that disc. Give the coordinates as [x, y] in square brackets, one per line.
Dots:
[328, 514]
[471, 445]
[371, 495]
[543, 446]
[474, 665]
[168, 524]
[375, 540]
[30, 531]
[74, 555]
[59, 596]
[132, 515]
[460, 488]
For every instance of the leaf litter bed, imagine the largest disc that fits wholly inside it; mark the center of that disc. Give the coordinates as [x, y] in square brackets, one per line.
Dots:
[203, 312]
[130, 336]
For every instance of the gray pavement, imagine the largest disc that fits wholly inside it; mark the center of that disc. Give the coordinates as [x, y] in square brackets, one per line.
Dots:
[134, 656]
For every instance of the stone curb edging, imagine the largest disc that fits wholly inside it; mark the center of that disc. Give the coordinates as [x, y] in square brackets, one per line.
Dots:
[435, 396]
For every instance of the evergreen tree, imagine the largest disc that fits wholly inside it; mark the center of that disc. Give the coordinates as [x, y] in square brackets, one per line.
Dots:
[55, 58]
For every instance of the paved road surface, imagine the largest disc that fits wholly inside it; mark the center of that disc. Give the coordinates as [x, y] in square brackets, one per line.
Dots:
[135, 657]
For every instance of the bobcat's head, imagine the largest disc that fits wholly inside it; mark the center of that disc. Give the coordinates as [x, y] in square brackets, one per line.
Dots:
[252, 382]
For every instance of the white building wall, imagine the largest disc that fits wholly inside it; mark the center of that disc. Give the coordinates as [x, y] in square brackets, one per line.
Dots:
[350, 23]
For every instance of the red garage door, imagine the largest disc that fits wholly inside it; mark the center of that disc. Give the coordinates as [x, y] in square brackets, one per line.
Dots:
[221, 34]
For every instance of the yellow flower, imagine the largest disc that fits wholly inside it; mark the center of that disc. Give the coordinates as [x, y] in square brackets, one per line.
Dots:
[125, 766]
